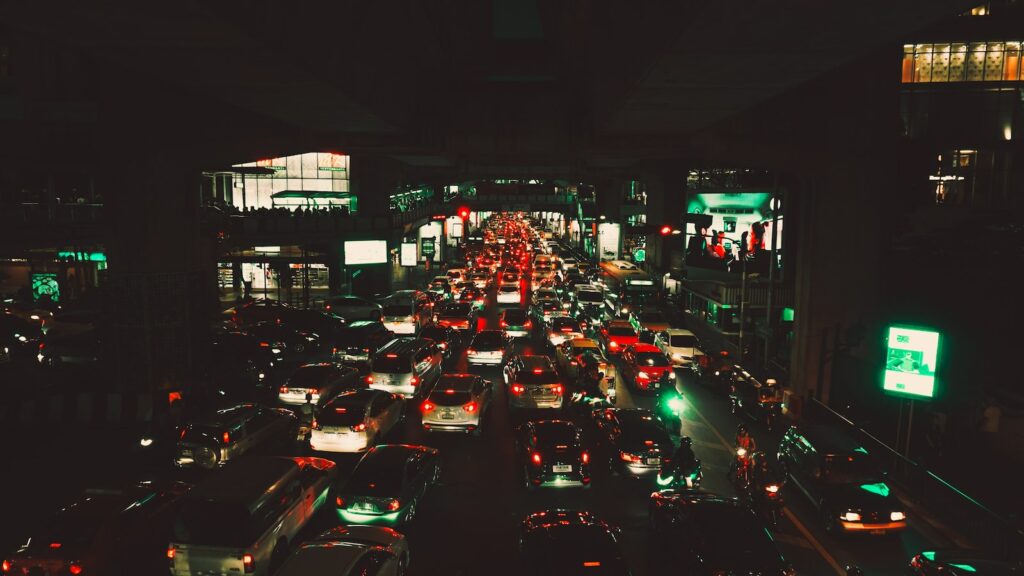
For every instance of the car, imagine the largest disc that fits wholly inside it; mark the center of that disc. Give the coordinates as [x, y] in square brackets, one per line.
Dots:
[616, 335]
[456, 275]
[567, 355]
[639, 444]
[446, 338]
[392, 541]
[646, 369]
[509, 294]
[355, 420]
[459, 287]
[545, 294]
[680, 346]
[533, 382]
[341, 559]
[475, 297]
[705, 534]
[552, 454]
[841, 480]
[487, 347]
[282, 336]
[243, 519]
[480, 279]
[360, 340]
[19, 338]
[515, 323]
[563, 542]
[353, 308]
[229, 433]
[544, 311]
[952, 562]
[649, 320]
[322, 380]
[240, 362]
[569, 262]
[405, 366]
[79, 349]
[440, 286]
[509, 277]
[259, 310]
[456, 315]
[588, 302]
[541, 277]
[103, 531]
[562, 328]
[406, 311]
[458, 403]
[387, 484]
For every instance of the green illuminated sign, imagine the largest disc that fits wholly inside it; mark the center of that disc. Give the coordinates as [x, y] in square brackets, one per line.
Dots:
[331, 169]
[787, 315]
[910, 362]
[639, 255]
[83, 256]
[45, 285]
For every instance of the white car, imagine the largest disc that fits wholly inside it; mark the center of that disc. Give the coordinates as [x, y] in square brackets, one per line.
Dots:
[458, 403]
[323, 381]
[545, 294]
[509, 294]
[681, 346]
[350, 551]
[487, 347]
[456, 275]
[569, 263]
[392, 541]
[355, 421]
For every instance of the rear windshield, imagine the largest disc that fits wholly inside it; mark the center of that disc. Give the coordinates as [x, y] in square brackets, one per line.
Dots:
[556, 435]
[313, 376]
[488, 339]
[515, 316]
[442, 398]
[531, 377]
[651, 359]
[682, 341]
[560, 323]
[214, 524]
[459, 309]
[397, 310]
[621, 331]
[509, 288]
[385, 364]
[588, 296]
[370, 479]
[439, 284]
[347, 414]
[637, 431]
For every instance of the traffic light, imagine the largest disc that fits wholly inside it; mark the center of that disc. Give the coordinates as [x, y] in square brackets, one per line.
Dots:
[666, 230]
[463, 212]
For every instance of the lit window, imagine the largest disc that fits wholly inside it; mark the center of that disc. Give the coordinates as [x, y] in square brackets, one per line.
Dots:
[961, 62]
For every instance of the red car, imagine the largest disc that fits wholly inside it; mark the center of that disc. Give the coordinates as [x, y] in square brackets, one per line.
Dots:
[617, 335]
[646, 368]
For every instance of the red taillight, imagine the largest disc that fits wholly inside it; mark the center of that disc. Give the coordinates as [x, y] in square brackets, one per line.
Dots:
[369, 379]
[315, 425]
[226, 437]
[528, 324]
[183, 431]
[557, 389]
[75, 569]
[414, 381]
[613, 344]
[627, 457]
[470, 407]
[339, 502]
[566, 328]
[538, 371]
[504, 324]
[394, 505]
[264, 344]
[427, 406]
[585, 458]
[248, 563]
[170, 554]
[41, 346]
[470, 351]
[6, 566]
[518, 388]
[55, 545]
[359, 427]
[284, 389]
[535, 458]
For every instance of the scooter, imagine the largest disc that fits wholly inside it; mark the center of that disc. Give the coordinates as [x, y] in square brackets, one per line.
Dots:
[669, 409]
[766, 500]
[672, 477]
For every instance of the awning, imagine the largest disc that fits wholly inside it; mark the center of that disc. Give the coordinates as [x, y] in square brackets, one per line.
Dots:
[310, 194]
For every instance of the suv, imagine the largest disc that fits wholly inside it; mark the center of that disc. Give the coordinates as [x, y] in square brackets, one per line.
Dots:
[231, 433]
[405, 366]
[841, 480]
[533, 383]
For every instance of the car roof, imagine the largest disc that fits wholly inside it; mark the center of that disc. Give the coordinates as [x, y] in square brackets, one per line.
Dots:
[403, 345]
[828, 439]
[584, 343]
[228, 415]
[316, 557]
[643, 347]
[351, 397]
[542, 426]
[391, 454]
[560, 518]
[679, 332]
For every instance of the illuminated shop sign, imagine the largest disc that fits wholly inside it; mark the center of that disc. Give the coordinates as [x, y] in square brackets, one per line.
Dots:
[910, 362]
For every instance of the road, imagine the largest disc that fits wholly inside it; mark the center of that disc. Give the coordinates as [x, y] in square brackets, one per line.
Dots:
[468, 523]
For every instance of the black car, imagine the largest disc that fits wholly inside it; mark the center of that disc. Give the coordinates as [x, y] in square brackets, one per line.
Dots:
[638, 440]
[710, 535]
[839, 477]
[286, 337]
[386, 486]
[359, 340]
[569, 543]
[553, 454]
[445, 337]
[19, 338]
[241, 360]
[962, 563]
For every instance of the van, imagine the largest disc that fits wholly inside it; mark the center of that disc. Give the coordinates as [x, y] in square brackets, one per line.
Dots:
[405, 366]
[406, 311]
[243, 519]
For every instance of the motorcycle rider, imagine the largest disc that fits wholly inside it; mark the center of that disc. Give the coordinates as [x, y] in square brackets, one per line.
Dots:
[669, 407]
[745, 440]
[589, 378]
[684, 460]
[745, 448]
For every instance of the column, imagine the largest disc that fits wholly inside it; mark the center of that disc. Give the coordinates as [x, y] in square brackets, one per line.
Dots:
[664, 183]
[373, 180]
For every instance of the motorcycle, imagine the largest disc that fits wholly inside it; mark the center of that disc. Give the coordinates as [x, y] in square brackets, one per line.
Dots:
[669, 409]
[759, 402]
[671, 477]
[739, 472]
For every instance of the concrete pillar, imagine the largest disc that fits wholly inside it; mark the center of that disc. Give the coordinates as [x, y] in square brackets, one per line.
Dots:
[665, 184]
[161, 285]
[373, 180]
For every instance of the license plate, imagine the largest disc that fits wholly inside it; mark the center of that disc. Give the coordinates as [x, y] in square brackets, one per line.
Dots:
[653, 461]
[878, 532]
[447, 416]
[561, 468]
[186, 453]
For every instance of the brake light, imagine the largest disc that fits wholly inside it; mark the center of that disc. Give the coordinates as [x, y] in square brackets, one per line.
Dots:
[55, 545]
[613, 344]
[557, 389]
[518, 389]
[470, 351]
[170, 555]
[369, 379]
[470, 407]
[391, 355]
[414, 381]
[226, 437]
[536, 458]
[183, 431]
[284, 389]
[41, 346]
[315, 425]
[6, 566]
[627, 457]
[359, 427]
[339, 502]
[538, 371]
[264, 344]
[528, 324]
[449, 391]
[248, 563]
[504, 324]
[585, 458]
[75, 569]
[427, 406]
[594, 564]
[566, 328]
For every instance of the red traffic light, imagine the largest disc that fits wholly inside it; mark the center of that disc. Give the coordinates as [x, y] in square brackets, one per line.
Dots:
[666, 230]
[463, 212]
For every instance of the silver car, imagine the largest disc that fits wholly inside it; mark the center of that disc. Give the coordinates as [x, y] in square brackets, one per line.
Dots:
[354, 308]
[458, 403]
[322, 381]
[233, 432]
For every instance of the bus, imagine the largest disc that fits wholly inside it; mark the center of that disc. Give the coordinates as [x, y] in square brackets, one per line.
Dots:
[627, 287]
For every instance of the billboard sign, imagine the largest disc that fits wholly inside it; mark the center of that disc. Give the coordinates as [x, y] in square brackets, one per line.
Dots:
[366, 252]
[407, 256]
[910, 362]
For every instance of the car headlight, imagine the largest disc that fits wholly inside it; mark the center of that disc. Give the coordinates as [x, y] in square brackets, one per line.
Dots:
[642, 374]
[677, 355]
[850, 517]
[275, 350]
[262, 375]
[672, 375]
[897, 516]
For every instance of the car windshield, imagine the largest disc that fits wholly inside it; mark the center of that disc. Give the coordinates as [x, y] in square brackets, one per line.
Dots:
[621, 331]
[456, 309]
[651, 359]
[682, 341]
[397, 309]
[589, 296]
[373, 479]
[489, 340]
[213, 524]
[508, 289]
[640, 427]
[342, 414]
[843, 469]
[391, 364]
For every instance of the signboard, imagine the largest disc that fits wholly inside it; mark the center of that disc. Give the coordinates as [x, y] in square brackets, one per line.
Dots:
[910, 362]
[407, 256]
[639, 255]
[429, 247]
[45, 284]
[366, 252]
[331, 169]
[456, 231]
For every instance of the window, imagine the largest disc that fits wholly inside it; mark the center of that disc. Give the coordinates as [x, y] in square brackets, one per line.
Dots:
[961, 62]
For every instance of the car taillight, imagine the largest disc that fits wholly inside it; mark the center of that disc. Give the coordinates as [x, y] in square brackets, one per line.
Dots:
[75, 569]
[470, 351]
[170, 556]
[226, 437]
[627, 457]
[470, 407]
[359, 427]
[264, 344]
[535, 458]
[6, 566]
[339, 502]
[504, 324]
[284, 389]
[315, 425]
[528, 324]
[613, 344]
[248, 563]
[414, 381]
[369, 379]
[427, 406]
[585, 457]
[518, 388]
[557, 389]
[394, 505]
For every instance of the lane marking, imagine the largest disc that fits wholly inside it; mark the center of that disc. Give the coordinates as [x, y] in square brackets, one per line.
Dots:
[792, 518]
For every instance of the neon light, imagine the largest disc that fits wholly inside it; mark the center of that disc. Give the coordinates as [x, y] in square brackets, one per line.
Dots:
[880, 488]
[964, 567]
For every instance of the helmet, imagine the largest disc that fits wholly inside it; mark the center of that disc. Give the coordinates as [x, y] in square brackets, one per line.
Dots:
[685, 441]
[741, 430]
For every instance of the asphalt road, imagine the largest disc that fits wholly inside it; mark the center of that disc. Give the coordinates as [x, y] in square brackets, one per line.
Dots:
[468, 523]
